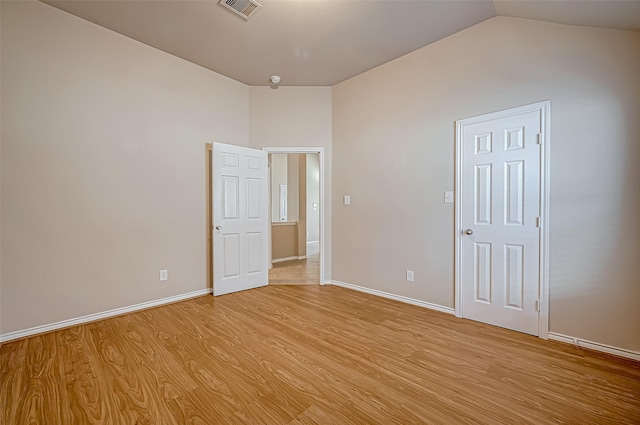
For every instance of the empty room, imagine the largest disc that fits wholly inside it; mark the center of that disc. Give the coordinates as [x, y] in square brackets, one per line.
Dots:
[319, 212]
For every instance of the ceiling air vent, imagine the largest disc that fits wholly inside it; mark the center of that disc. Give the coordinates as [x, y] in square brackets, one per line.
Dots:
[244, 8]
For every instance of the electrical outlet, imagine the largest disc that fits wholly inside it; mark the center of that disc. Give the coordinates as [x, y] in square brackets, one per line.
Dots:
[448, 197]
[409, 275]
[164, 275]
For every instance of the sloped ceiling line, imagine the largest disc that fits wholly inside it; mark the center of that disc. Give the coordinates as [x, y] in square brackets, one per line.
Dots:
[320, 43]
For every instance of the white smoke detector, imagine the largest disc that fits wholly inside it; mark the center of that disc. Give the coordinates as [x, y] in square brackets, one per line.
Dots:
[275, 79]
[243, 8]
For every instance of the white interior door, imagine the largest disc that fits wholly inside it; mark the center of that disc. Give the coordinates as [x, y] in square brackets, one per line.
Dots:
[500, 212]
[240, 218]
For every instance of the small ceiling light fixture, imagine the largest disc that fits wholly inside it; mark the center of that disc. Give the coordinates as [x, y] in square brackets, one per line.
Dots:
[275, 79]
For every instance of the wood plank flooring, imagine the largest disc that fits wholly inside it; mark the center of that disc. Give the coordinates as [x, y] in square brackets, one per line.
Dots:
[307, 355]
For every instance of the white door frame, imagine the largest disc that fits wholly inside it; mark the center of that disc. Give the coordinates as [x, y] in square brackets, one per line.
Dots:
[320, 152]
[545, 116]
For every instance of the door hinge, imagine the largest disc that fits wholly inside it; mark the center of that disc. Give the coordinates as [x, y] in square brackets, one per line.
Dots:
[538, 222]
[537, 305]
[539, 138]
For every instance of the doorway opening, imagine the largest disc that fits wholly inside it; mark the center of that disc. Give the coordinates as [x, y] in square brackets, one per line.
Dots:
[296, 211]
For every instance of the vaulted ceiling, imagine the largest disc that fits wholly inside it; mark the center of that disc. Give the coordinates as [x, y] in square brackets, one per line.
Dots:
[321, 42]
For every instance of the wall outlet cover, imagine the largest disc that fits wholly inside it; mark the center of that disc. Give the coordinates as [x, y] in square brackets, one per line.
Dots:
[448, 197]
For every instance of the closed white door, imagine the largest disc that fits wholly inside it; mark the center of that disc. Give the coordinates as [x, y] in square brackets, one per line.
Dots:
[240, 218]
[500, 214]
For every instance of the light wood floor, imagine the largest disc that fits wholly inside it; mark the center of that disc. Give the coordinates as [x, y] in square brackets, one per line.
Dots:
[296, 272]
[307, 355]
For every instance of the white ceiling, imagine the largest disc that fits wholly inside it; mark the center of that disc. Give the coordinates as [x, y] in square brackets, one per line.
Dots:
[321, 42]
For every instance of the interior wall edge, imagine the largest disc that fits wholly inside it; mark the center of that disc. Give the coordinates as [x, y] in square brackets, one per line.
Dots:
[37, 330]
[596, 346]
[103, 172]
[391, 296]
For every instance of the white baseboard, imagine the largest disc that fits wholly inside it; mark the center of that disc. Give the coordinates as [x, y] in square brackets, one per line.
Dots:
[281, 260]
[621, 352]
[99, 316]
[400, 298]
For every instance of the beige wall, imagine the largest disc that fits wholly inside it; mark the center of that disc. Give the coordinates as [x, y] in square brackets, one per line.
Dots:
[296, 117]
[293, 188]
[393, 145]
[278, 177]
[103, 166]
[313, 197]
[302, 204]
[284, 240]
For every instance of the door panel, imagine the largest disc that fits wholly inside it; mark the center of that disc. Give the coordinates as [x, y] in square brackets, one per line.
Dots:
[500, 204]
[230, 197]
[253, 199]
[514, 276]
[514, 193]
[483, 272]
[483, 196]
[240, 218]
[256, 254]
[231, 252]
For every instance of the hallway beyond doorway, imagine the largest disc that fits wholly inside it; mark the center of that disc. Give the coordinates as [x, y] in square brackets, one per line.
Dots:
[298, 272]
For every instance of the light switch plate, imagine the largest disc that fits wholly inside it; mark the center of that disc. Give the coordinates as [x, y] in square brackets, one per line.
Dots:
[448, 197]
[164, 275]
[347, 199]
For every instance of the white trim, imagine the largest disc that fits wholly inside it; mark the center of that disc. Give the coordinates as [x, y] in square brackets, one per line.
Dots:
[320, 152]
[562, 338]
[457, 285]
[545, 114]
[395, 297]
[545, 211]
[596, 346]
[99, 316]
[281, 260]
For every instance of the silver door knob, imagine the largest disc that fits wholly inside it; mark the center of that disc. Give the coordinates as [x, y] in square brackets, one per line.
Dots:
[218, 227]
[468, 232]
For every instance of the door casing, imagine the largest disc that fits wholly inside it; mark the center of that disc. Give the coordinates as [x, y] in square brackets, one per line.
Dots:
[209, 211]
[545, 113]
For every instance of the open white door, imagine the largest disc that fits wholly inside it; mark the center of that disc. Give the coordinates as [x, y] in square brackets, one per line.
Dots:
[240, 218]
[500, 212]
